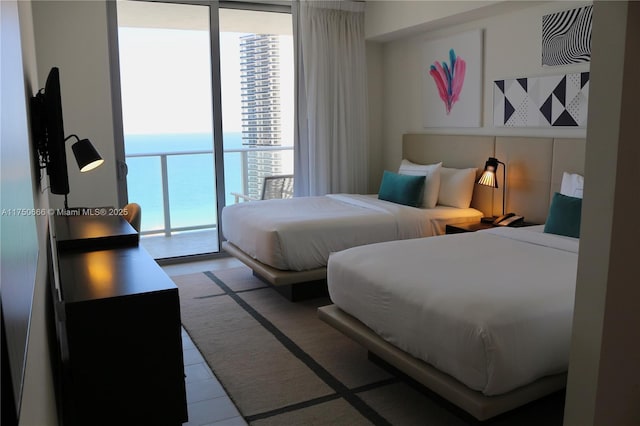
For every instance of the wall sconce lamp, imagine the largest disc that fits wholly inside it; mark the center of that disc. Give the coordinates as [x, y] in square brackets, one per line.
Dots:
[488, 177]
[53, 159]
[86, 155]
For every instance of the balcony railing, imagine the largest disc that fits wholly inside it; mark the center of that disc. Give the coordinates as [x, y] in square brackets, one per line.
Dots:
[190, 176]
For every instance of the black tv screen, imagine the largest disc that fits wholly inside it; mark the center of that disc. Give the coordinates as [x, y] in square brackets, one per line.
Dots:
[48, 130]
[57, 167]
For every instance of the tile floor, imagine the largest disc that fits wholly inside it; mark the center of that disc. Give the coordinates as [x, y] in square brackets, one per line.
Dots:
[207, 402]
[181, 243]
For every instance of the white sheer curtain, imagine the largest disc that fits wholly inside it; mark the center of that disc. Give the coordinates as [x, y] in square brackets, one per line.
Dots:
[331, 137]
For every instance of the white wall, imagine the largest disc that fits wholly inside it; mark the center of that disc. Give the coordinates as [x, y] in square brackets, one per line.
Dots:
[604, 370]
[396, 18]
[72, 35]
[38, 399]
[511, 49]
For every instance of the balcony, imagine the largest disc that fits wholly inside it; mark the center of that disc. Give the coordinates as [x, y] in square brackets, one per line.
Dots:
[178, 197]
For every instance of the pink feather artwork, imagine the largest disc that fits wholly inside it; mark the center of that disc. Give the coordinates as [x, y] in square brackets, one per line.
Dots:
[449, 80]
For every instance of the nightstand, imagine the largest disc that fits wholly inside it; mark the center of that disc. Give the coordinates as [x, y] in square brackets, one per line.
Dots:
[460, 228]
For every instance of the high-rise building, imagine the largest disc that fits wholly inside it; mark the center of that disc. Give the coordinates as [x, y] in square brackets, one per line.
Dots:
[261, 121]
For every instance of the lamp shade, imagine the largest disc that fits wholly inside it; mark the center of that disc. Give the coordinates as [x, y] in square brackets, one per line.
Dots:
[86, 155]
[488, 177]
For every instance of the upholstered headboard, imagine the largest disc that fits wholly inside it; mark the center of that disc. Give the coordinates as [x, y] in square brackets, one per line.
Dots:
[459, 152]
[534, 167]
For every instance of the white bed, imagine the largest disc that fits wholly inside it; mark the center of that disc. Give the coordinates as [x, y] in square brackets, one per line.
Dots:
[261, 236]
[298, 234]
[492, 309]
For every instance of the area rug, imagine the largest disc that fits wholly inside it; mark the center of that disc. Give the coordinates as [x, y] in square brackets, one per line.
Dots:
[281, 365]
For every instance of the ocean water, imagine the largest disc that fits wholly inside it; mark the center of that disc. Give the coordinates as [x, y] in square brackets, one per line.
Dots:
[191, 178]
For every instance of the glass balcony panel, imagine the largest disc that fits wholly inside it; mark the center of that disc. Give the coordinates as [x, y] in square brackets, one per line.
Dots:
[144, 186]
[192, 194]
[233, 176]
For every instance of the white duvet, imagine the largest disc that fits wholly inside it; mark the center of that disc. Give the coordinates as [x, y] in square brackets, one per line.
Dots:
[299, 233]
[492, 308]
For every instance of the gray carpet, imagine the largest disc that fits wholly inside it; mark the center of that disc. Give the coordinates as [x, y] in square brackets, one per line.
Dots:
[281, 365]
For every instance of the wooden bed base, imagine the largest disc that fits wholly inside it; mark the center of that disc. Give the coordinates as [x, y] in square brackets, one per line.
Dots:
[475, 403]
[294, 285]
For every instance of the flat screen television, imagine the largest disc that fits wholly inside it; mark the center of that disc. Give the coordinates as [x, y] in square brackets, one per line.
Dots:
[48, 132]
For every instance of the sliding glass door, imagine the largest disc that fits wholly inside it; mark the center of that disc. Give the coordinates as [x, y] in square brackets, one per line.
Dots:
[207, 112]
[256, 64]
[167, 116]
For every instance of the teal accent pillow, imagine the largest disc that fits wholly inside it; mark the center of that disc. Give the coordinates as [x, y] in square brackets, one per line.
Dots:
[401, 189]
[564, 216]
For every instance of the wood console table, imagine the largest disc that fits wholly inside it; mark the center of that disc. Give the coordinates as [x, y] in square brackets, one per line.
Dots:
[93, 232]
[118, 331]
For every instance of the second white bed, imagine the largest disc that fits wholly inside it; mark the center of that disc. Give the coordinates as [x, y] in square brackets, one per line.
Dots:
[493, 308]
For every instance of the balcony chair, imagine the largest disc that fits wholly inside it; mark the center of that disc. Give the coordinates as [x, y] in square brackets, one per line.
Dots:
[132, 213]
[273, 187]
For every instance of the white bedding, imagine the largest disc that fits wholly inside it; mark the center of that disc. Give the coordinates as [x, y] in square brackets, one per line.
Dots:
[299, 233]
[492, 308]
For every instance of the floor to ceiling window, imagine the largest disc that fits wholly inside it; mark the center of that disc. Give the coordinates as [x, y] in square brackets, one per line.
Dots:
[170, 89]
[256, 63]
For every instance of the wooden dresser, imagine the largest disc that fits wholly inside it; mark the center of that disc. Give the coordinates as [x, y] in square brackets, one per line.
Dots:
[116, 326]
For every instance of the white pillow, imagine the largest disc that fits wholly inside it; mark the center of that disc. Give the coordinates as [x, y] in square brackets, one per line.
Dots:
[456, 187]
[431, 181]
[572, 185]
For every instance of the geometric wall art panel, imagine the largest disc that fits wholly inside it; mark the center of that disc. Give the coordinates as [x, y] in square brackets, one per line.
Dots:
[451, 72]
[549, 101]
[566, 37]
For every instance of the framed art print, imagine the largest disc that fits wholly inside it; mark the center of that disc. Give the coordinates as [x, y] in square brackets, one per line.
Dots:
[566, 37]
[548, 101]
[452, 80]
